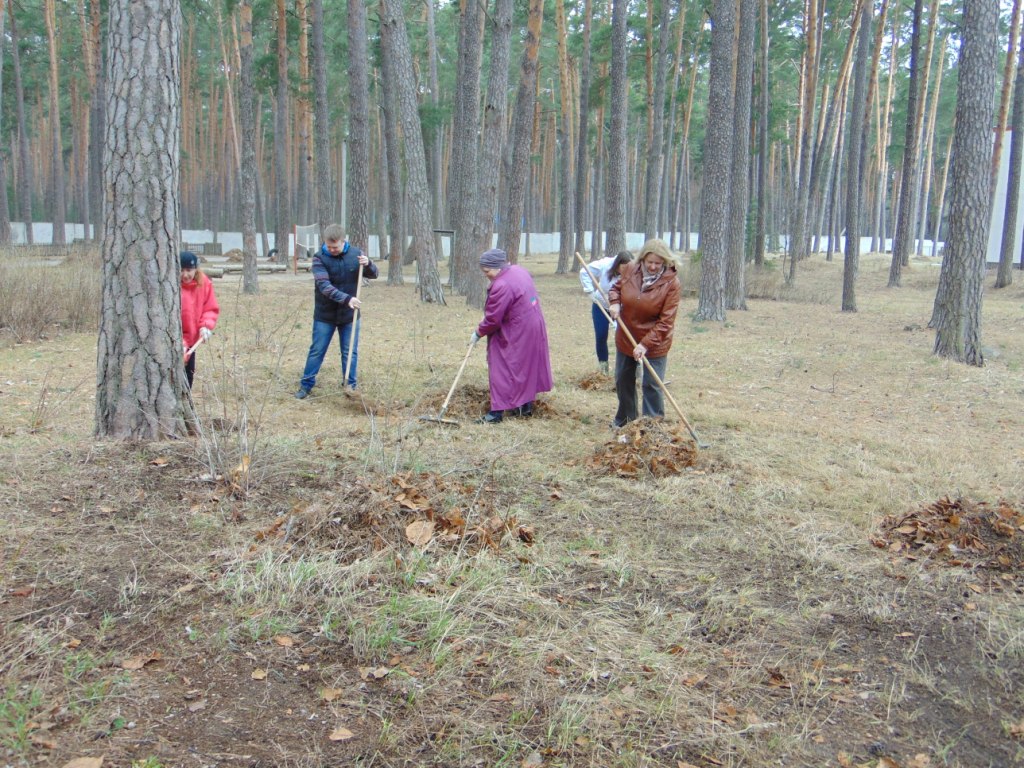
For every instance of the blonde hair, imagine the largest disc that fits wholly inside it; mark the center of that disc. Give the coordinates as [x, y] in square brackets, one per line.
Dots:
[659, 248]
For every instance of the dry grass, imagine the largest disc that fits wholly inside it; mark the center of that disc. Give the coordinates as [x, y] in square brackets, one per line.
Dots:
[734, 612]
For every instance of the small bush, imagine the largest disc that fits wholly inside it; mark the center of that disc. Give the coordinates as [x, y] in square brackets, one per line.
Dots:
[37, 292]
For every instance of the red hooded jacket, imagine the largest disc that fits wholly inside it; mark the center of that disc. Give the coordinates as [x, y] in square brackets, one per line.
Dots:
[199, 308]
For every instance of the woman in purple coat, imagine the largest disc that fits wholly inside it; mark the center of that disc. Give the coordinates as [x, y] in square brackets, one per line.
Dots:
[518, 365]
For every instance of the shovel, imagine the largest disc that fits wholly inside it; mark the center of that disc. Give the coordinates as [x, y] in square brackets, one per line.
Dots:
[440, 419]
[647, 365]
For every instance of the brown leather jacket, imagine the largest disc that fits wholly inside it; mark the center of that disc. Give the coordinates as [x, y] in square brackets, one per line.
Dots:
[650, 315]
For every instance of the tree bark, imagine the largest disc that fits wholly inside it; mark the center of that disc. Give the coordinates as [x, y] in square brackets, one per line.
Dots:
[140, 379]
[517, 174]
[904, 219]
[24, 157]
[489, 170]
[958, 302]
[618, 171]
[358, 127]
[718, 147]
[395, 42]
[566, 189]
[57, 176]
[583, 133]
[761, 225]
[854, 162]
[465, 129]
[735, 286]
[321, 122]
[247, 118]
[1004, 276]
[283, 224]
[652, 190]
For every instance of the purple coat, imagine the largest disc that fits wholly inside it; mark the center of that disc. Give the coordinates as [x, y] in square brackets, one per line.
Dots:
[518, 365]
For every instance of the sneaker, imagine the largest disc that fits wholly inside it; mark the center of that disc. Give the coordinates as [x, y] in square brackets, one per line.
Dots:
[302, 394]
[491, 417]
[603, 367]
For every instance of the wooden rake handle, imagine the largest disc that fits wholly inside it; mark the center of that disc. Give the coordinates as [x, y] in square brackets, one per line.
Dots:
[352, 333]
[647, 363]
[444, 405]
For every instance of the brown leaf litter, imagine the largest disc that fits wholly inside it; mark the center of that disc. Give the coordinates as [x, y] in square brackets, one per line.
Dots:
[643, 447]
[960, 533]
[415, 509]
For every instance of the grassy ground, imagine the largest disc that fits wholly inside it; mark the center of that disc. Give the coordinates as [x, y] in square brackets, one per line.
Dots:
[800, 593]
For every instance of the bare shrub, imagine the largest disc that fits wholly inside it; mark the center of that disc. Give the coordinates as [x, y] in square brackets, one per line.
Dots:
[39, 293]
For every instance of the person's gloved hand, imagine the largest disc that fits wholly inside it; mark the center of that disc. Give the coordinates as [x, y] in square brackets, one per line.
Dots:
[475, 338]
[205, 333]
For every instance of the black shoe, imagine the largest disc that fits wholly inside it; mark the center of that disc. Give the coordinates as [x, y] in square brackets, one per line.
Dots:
[491, 417]
[524, 411]
[302, 394]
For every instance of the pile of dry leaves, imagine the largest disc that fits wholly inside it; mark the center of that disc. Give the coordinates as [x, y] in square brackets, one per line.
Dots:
[644, 447]
[363, 516]
[960, 533]
[597, 381]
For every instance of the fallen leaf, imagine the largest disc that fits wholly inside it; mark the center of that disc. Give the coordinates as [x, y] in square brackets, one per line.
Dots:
[84, 762]
[970, 606]
[976, 588]
[284, 640]
[341, 734]
[887, 762]
[904, 634]
[138, 662]
[74, 642]
[419, 532]
[330, 694]
[533, 760]
[303, 667]
[1017, 731]
[920, 760]
[23, 591]
[197, 706]
[500, 697]
[373, 673]
[160, 461]
[259, 674]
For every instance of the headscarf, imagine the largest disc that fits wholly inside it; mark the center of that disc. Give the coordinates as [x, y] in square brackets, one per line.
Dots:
[495, 258]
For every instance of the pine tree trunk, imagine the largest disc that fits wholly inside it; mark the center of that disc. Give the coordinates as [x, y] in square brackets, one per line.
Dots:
[718, 147]
[395, 43]
[566, 188]
[761, 225]
[735, 286]
[465, 129]
[283, 223]
[24, 180]
[617, 175]
[904, 220]
[958, 302]
[358, 127]
[652, 191]
[582, 155]
[321, 122]
[393, 160]
[517, 177]
[854, 163]
[57, 179]
[1004, 276]
[247, 117]
[140, 379]
[489, 171]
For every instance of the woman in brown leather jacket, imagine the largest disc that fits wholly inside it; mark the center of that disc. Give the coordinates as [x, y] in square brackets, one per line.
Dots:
[645, 300]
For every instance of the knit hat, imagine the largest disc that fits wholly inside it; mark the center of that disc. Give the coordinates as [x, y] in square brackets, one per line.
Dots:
[493, 259]
[189, 260]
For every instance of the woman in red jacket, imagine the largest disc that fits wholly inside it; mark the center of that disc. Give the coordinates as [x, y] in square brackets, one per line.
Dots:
[645, 300]
[199, 309]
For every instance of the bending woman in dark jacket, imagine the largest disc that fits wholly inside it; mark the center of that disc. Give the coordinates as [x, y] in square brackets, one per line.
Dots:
[645, 300]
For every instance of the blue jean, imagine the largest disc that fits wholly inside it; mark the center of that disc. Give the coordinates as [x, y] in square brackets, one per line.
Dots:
[601, 326]
[322, 335]
[625, 387]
